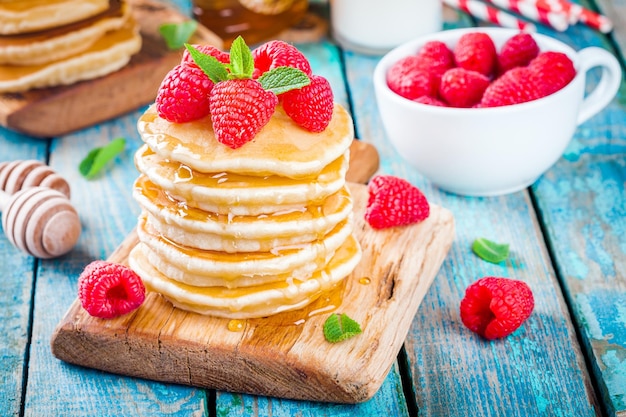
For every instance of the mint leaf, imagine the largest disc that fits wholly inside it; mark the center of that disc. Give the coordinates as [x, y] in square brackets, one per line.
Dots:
[340, 327]
[177, 34]
[282, 79]
[490, 251]
[97, 158]
[241, 61]
[214, 69]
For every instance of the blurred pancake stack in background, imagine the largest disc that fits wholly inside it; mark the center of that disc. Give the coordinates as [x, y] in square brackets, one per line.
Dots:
[45, 43]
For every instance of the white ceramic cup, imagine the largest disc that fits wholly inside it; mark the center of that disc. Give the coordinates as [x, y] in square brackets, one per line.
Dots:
[377, 26]
[499, 150]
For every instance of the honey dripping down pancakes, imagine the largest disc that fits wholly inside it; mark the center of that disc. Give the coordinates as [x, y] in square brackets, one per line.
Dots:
[46, 43]
[252, 228]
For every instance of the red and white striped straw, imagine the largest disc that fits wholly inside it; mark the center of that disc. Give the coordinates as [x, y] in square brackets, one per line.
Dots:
[575, 12]
[571, 10]
[554, 19]
[483, 11]
[595, 20]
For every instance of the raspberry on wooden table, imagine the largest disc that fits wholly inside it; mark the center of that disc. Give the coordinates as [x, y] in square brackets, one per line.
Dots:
[109, 290]
[495, 307]
[394, 201]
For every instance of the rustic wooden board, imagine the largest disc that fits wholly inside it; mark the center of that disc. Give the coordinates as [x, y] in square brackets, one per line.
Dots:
[284, 355]
[49, 112]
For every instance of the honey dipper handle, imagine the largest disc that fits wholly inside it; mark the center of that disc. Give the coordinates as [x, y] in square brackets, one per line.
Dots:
[40, 221]
[4, 200]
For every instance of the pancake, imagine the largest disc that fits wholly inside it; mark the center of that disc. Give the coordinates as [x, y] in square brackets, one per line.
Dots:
[241, 195]
[249, 302]
[51, 45]
[225, 269]
[246, 232]
[23, 16]
[281, 148]
[196, 228]
[109, 53]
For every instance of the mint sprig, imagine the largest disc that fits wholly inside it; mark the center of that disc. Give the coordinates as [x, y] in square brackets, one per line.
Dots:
[282, 79]
[177, 34]
[339, 327]
[490, 251]
[97, 158]
[241, 60]
[278, 80]
[214, 69]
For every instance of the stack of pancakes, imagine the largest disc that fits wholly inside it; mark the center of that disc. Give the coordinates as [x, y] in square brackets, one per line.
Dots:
[247, 232]
[45, 43]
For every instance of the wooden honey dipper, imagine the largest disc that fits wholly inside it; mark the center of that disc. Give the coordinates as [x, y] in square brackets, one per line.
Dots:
[17, 175]
[40, 221]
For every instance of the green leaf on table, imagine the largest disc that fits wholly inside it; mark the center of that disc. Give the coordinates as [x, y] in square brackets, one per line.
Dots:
[177, 34]
[340, 327]
[97, 158]
[490, 251]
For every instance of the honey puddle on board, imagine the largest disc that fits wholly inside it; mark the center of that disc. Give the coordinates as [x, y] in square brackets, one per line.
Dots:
[325, 304]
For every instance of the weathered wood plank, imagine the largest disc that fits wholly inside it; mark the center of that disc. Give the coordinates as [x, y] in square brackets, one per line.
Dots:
[389, 401]
[108, 214]
[539, 370]
[582, 206]
[16, 290]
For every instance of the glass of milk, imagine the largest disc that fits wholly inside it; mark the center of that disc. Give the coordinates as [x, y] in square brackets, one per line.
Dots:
[376, 26]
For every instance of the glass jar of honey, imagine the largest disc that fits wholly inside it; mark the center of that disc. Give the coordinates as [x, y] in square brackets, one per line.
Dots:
[255, 20]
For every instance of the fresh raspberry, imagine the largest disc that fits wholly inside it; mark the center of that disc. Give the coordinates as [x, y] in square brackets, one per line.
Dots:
[517, 51]
[432, 101]
[436, 57]
[239, 110]
[393, 202]
[109, 290]
[462, 88]
[513, 87]
[184, 94]
[311, 107]
[218, 54]
[495, 307]
[476, 51]
[409, 80]
[552, 70]
[275, 54]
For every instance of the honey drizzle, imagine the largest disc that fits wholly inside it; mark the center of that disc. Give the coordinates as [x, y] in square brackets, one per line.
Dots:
[164, 200]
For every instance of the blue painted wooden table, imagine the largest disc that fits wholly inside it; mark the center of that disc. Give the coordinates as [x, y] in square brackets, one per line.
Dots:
[568, 240]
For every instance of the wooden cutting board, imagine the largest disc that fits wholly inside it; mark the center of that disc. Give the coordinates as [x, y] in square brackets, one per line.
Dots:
[284, 355]
[49, 112]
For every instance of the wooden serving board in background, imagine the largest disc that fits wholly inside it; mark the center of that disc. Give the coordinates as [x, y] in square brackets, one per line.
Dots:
[284, 355]
[49, 112]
